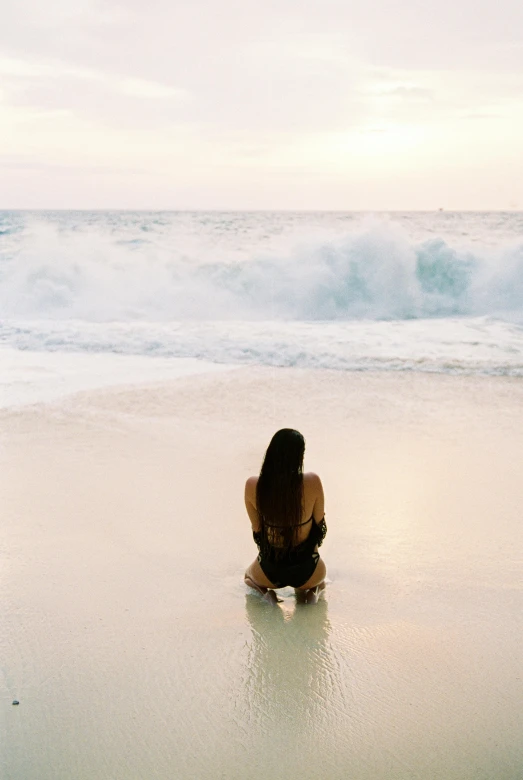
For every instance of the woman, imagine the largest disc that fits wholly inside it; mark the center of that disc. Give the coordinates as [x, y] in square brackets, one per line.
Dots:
[286, 509]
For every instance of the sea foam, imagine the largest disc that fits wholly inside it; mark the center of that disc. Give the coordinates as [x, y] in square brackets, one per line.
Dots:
[348, 292]
[375, 272]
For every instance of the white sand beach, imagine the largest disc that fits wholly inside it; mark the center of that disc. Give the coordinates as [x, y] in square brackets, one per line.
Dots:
[134, 647]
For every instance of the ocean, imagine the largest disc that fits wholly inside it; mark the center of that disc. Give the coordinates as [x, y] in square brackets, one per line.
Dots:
[94, 299]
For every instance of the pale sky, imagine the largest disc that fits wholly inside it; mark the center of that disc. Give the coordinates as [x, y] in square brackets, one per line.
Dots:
[287, 104]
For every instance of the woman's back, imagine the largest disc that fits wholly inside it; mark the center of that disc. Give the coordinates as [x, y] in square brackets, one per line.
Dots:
[312, 508]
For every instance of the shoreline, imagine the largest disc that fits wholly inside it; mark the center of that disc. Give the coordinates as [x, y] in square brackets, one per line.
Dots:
[30, 377]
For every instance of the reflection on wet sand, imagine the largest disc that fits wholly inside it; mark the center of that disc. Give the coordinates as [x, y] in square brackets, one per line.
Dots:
[291, 680]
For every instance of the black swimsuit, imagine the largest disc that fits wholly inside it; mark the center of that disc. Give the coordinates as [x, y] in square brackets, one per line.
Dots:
[297, 565]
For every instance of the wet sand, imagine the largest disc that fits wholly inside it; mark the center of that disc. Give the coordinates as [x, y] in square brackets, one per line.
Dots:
[134, 647]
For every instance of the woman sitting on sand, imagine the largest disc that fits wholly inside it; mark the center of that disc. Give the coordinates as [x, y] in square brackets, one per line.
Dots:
[286, 509]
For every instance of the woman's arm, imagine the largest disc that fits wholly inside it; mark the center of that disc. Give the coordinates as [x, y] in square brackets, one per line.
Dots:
[318, 511]
[250, 502]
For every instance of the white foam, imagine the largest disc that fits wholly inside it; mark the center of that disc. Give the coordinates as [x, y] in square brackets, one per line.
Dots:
[28, 377]
[451, 345]
[103, 271]
[347, 292]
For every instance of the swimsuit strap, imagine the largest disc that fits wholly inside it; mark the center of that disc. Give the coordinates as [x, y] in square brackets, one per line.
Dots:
[268, 525]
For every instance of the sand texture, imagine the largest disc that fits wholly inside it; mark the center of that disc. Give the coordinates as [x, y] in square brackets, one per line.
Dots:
[137, 653]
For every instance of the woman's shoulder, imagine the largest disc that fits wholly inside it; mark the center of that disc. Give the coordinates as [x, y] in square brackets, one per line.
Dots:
[250, 486]
[312, 479]
[312, 485]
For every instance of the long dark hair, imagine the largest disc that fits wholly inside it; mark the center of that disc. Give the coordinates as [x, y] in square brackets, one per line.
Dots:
[279, 492]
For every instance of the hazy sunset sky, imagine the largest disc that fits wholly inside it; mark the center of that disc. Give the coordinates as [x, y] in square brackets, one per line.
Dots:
[295, 104]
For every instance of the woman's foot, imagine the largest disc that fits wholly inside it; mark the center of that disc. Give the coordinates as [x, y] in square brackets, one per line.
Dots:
[268, 594]
[271, 597]
[310, 596]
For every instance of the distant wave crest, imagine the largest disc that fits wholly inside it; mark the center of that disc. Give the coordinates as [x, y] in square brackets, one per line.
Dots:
[374, 273]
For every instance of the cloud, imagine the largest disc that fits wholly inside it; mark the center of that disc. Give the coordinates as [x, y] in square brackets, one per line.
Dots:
[249, 66]
[28, 163]
[480, 116]
[269, 87]
[149, 89]
[148, 39]
[405, 92]
[48, 87]
[190, 89]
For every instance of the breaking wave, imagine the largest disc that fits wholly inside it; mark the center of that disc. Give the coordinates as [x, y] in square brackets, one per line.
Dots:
[374, 272]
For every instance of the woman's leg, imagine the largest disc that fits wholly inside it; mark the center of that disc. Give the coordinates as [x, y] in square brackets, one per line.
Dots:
[310, 590]
[255, 578]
